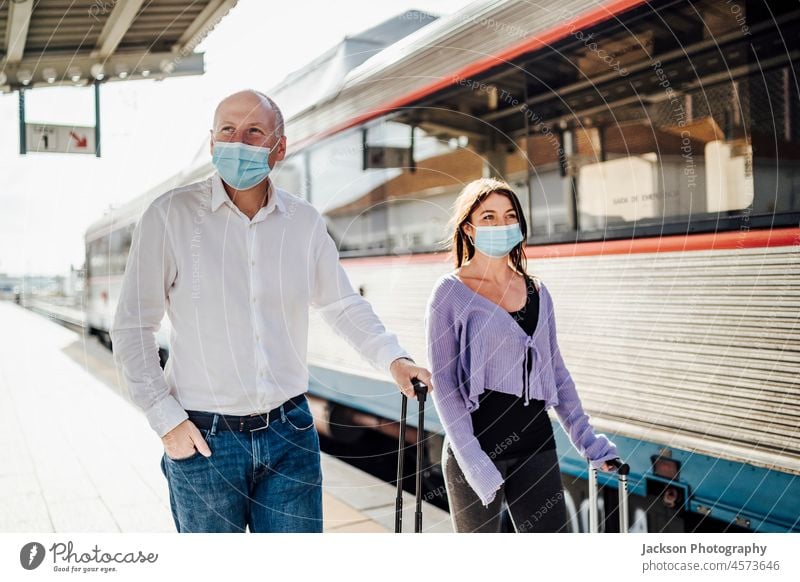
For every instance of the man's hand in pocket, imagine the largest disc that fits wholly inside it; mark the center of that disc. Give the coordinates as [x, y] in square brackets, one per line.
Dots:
[182, 441]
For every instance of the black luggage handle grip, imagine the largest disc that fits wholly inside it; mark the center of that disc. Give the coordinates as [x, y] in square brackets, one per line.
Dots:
[622, 468]
[420, 391]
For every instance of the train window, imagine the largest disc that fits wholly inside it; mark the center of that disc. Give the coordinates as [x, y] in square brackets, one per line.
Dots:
[126, 247]
[690, 125]
[545, 200]
[119, 246]
[98, 257]
[687, 123]
[394, 205]
[290, 175]
[770, 129]
[336, 167]
[714, 153]
[695, 136]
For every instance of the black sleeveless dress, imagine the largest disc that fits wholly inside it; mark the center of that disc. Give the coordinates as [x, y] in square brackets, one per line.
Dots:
[503, 425]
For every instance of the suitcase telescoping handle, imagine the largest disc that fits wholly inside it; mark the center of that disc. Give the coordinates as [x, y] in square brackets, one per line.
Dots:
[421, 391]
[622, 472]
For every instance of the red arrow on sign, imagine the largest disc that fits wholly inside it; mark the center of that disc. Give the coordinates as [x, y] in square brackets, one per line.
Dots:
[80, 142]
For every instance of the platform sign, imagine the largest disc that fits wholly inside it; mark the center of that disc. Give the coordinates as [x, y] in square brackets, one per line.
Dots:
[63, 139]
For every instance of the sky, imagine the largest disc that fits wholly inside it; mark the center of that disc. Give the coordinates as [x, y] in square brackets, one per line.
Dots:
[153, 129]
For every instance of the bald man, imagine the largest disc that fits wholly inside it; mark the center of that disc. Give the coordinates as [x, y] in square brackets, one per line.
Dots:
[236, 262]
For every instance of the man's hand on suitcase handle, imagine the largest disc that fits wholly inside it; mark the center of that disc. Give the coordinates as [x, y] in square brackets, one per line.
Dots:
[405, 371]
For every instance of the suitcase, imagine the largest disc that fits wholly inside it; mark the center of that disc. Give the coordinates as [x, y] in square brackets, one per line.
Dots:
[421, 391]
[622, 474]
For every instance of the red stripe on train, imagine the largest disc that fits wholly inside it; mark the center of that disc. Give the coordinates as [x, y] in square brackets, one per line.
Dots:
[779, 237]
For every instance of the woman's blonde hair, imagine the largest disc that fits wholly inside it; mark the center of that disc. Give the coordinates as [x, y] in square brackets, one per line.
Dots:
[471, 196]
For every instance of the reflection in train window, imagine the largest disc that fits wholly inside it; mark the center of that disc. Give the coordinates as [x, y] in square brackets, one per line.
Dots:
[396, 204]
[119, 245]
[711, 154]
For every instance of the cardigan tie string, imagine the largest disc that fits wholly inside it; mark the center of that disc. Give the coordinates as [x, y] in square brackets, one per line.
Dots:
[531, 355]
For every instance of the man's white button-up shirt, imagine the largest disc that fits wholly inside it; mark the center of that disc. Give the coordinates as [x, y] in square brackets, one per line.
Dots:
[237, 292]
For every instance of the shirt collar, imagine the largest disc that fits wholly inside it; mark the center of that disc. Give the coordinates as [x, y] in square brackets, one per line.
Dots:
[219, 196]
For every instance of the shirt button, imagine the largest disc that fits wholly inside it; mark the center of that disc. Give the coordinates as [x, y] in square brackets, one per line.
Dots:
[254, 299]
[252, 262]
[258, 337]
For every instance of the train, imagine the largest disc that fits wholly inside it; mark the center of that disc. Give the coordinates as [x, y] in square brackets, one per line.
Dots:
[656, 149]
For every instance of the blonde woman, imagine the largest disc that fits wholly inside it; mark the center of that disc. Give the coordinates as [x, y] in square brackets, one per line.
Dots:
[497, 368]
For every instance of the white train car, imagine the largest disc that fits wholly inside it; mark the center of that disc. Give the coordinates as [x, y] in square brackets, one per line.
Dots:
[108, 242]
[656, 147]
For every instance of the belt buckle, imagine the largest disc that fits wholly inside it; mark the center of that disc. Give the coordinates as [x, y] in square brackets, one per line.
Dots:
[266, 425]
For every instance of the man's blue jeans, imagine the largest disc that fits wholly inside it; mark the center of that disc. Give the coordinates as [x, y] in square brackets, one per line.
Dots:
[269, 480]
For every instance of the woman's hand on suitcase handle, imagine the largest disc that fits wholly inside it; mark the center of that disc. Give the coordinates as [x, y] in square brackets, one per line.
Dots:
[616, 465]
[404, 371]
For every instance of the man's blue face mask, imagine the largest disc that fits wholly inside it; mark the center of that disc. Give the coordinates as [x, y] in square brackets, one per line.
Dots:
[240, 165]
[497, 241]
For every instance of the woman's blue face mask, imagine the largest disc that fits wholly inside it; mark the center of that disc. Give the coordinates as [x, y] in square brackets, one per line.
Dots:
[497, 241]
[240, 165]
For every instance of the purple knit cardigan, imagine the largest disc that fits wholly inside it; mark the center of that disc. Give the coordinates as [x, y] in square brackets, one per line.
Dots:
[473, 344]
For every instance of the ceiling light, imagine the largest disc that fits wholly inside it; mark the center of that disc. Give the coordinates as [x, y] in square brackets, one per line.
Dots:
[49, 74]
[24, 76]
[98, 71]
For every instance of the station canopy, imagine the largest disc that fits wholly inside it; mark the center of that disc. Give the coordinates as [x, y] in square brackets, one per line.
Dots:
[75, 42]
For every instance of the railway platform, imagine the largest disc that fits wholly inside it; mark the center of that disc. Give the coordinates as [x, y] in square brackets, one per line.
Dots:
[77, 456]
